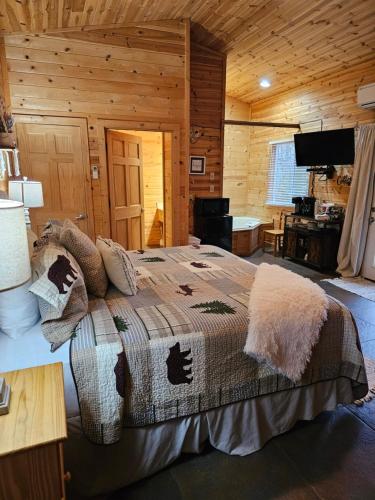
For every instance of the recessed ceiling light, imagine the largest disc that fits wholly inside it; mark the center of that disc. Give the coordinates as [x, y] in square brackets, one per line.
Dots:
[265, 83]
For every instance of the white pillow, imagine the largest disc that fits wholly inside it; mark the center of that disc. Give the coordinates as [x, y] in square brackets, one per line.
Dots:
[19, 310]
[118, 266]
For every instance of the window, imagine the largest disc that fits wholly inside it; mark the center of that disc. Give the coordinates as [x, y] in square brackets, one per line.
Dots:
[286, 180]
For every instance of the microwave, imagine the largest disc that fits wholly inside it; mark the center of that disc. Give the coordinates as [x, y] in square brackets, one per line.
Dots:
[211, 206]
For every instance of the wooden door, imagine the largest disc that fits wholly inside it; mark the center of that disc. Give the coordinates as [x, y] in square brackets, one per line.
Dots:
[290, 244]
[55, 152]
[126, 189]
[314, 253]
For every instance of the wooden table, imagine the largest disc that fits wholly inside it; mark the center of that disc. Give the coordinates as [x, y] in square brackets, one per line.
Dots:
[31, 435]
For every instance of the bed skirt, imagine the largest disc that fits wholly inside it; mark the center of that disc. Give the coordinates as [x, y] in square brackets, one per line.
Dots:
[236, 429]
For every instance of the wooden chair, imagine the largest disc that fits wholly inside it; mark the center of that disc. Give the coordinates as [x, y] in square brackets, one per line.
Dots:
[274, 237]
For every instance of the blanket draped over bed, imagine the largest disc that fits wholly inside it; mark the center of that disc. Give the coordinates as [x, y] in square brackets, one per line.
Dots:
[176, 348]
[286, 315]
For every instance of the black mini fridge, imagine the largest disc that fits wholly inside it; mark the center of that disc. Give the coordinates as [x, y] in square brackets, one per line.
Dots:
[212, 224]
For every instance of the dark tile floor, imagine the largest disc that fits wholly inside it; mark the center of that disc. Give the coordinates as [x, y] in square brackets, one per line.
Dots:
[330, 458]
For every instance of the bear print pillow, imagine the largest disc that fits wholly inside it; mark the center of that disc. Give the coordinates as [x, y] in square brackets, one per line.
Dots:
[60, 288]
[55, 272]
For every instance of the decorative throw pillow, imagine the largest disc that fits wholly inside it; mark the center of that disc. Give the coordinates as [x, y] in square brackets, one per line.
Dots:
[50, 234]
[87, 256]
[53, 230]
[119, 267]
[60, 288]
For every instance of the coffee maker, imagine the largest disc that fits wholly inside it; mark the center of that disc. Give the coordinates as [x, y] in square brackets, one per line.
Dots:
[304, 206]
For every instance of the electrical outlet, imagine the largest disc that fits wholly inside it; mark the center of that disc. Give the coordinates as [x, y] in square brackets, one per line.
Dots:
[212, 188]
[212, 176]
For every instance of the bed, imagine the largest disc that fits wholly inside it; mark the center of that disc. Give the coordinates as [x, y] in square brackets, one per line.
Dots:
[203, 286]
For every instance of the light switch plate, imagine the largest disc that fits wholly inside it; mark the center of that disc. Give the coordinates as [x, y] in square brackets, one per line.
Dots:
[95, 172]
[212, 188]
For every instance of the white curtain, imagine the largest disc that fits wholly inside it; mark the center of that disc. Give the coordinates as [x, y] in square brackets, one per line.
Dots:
[354, 233]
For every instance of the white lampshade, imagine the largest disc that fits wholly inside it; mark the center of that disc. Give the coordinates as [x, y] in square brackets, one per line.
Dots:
[14, 252]
[28, 192]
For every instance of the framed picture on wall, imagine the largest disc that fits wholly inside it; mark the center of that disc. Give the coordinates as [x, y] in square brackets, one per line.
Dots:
[197, 165]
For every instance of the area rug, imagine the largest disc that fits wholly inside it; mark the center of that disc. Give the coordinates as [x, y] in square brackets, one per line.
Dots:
[359, 286]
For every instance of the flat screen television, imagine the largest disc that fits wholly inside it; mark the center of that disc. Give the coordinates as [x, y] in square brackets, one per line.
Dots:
[332, 147]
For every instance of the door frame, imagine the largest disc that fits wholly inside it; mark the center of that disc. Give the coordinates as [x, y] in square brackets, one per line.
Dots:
[167, 210]
[174, 129]
[82, 123]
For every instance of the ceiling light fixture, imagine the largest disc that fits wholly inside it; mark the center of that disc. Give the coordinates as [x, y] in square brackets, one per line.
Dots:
[264, 83]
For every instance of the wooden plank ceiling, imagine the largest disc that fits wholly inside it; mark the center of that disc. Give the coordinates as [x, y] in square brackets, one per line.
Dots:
[291, 42]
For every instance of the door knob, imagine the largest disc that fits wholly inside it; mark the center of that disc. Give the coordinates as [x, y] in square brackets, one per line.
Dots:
[81, 217]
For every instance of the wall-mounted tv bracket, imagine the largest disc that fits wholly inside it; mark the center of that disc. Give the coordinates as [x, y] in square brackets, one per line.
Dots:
[328, 171]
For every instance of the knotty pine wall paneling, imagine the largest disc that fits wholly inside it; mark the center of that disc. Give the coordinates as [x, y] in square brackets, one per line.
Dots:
[207, 105]
[236, 179]
[293, 41]
[334, 100]
[6, 139]
[98, 76]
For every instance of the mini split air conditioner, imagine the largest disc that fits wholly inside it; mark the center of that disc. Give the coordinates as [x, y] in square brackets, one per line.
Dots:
[366, 96]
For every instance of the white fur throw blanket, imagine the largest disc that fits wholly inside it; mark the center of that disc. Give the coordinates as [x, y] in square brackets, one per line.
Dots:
[286, 314]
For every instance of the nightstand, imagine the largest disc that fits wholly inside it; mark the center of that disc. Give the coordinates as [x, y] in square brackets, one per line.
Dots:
[31, 435]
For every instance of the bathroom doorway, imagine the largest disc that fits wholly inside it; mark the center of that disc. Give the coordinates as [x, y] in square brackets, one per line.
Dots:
[140, 187]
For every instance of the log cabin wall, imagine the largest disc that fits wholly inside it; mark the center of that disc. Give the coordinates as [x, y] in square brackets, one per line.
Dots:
[113, 82]
[236, 156]
[6, 138]
[207, 105]
[332, 99]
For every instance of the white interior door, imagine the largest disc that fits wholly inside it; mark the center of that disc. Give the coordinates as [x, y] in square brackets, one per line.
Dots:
[368, 267]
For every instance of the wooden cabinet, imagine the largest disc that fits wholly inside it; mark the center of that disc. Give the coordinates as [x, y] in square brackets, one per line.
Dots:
[31, 435]
[317, 247]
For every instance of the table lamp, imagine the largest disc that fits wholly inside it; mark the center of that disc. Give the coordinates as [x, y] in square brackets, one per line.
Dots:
[15, 267]
[28, 192]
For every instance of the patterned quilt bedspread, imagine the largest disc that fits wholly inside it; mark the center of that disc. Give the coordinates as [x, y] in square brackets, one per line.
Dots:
[176, 348]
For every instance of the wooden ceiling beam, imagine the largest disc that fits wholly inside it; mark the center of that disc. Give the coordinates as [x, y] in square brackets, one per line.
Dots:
[167, 26]
[261, 124]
